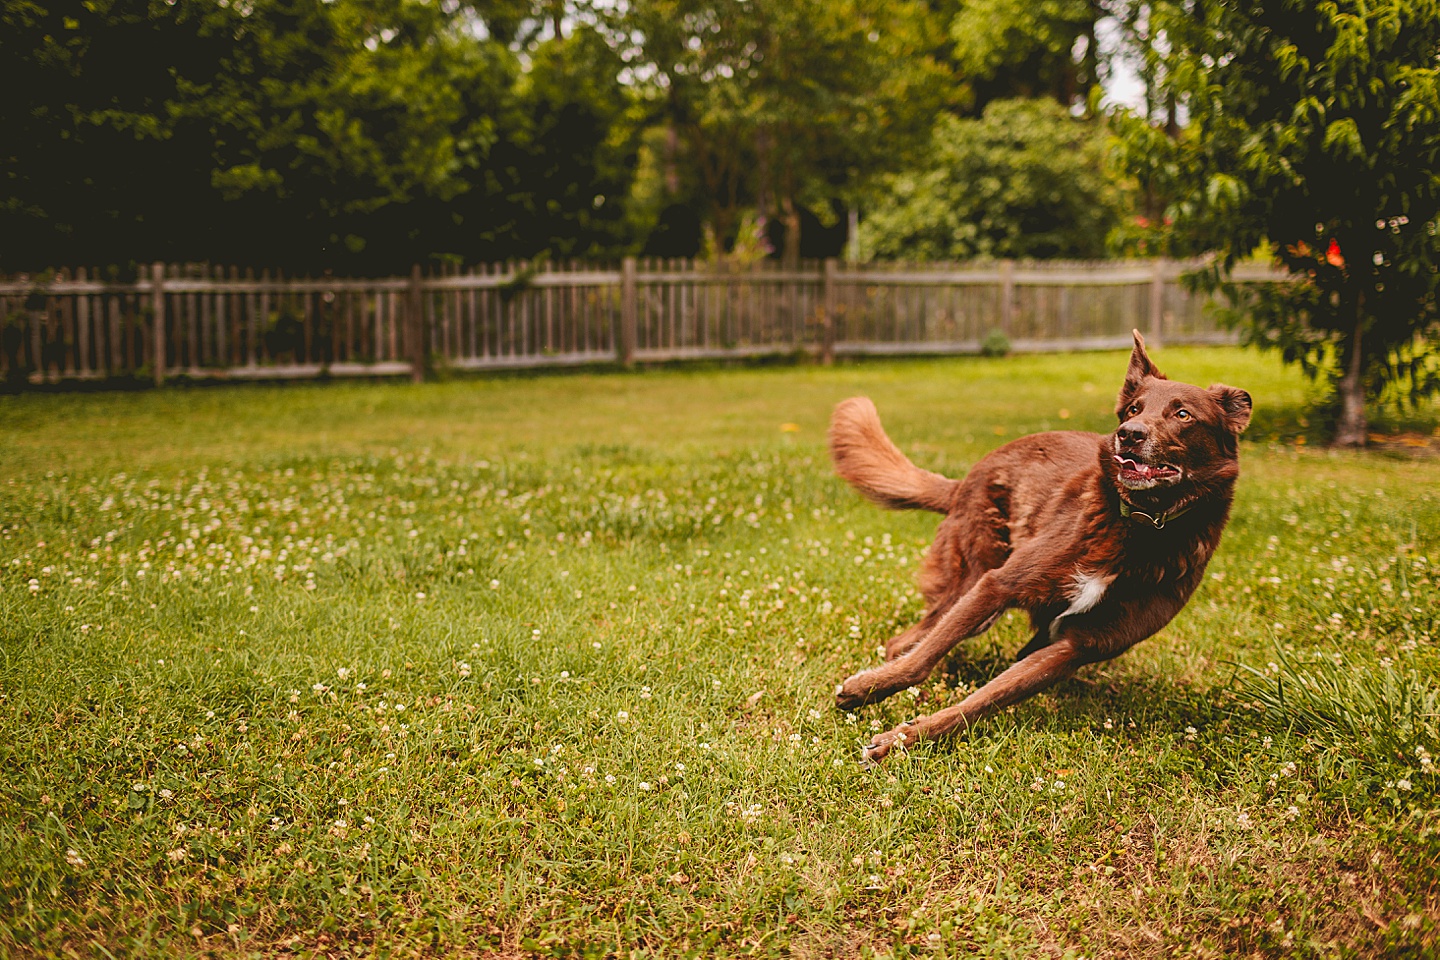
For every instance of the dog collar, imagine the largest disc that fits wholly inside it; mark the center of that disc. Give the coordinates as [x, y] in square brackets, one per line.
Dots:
[1157, 522]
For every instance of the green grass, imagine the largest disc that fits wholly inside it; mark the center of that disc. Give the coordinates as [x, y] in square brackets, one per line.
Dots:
[543, 666]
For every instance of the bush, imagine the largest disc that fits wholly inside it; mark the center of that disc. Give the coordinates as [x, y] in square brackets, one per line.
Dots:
[1025, 180]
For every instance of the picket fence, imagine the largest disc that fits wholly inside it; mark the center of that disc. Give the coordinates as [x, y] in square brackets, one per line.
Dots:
[174, 321]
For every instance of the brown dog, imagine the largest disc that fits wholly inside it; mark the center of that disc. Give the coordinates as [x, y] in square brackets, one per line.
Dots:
[1100, 539]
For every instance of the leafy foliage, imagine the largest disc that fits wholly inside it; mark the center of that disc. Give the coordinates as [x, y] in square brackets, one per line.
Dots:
[1025, 180]
[1314, 129]
[779, 105]
[1010, 49]
[355, 134]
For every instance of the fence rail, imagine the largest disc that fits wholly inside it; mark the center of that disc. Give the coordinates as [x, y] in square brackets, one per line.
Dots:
[212, 322]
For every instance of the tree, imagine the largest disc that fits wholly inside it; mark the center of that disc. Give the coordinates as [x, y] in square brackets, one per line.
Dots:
[1007, 49]
[785, 104]
[348, 135]
[89, 158]
[1025, 180]
[1314, 130]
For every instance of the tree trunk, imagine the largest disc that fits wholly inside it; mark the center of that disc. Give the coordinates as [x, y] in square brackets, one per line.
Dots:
[1353, 428]
[790, 214]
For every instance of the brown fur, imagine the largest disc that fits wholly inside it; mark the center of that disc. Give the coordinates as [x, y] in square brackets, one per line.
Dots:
[1037, 525]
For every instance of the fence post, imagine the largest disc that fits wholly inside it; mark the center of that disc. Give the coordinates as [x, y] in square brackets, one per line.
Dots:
[827, 319]
[82, 325]
[1007, 295]
[629, 303]
[1157, 301]
[157, 309]
[415, 325]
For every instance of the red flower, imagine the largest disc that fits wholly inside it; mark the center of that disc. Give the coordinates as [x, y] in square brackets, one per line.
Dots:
[1333, 256]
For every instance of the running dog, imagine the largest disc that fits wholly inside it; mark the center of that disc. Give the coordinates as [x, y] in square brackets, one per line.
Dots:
[1100, 539]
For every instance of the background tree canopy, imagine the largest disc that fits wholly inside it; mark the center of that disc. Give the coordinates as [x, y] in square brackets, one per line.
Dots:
[1025, 180]
[364, 135]
[353, 134]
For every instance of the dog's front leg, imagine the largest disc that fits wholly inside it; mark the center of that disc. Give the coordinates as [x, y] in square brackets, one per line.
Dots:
[1043, 668]
[971, 614]
[1100, 634]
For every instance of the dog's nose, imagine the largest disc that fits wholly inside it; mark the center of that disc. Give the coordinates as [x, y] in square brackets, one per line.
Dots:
[1133, 433]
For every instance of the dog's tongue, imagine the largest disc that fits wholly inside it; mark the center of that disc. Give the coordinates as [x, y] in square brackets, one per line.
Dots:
[1139, 469]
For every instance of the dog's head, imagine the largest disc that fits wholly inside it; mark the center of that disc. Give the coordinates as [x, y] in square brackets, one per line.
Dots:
[1174, 439]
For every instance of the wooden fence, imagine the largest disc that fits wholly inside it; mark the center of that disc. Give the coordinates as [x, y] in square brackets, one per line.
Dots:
[210, 322]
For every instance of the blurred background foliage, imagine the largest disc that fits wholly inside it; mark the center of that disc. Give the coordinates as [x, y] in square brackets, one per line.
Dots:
[366, 135]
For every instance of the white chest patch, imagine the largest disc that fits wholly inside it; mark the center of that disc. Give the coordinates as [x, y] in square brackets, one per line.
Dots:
[1089, 589]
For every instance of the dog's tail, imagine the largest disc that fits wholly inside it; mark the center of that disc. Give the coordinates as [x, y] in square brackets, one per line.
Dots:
[866, 458]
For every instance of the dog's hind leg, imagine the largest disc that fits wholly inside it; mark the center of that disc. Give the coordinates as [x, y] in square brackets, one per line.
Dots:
[1044, 668]
[971, 614]
[1040, 641]
[1044, 627]
[900, 644]
[904, 642]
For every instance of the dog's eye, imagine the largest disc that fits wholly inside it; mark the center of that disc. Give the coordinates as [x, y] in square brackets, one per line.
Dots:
[1182, 414]
[1134, 409]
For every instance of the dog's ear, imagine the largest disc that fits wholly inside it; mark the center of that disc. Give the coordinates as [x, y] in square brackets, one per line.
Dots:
[1140, 368]
[1234, 403]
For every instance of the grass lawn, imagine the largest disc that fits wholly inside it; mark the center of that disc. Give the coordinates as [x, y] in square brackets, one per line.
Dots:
[542, 666]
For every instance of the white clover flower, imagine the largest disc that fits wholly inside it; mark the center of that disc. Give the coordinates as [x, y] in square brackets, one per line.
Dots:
[644, 786]
[73, 858]
[1402, 784]
[622, 716]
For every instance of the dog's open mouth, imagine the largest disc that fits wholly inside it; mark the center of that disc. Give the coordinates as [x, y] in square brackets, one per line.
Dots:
[1136, 474]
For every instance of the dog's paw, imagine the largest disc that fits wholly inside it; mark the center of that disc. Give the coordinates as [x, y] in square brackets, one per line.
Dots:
[879, 748]
[846, 697]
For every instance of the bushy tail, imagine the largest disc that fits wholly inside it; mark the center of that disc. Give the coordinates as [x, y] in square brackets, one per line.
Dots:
[866, 458]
